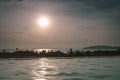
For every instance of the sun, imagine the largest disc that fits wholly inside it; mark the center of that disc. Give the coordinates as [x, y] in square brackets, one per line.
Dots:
[43, 22]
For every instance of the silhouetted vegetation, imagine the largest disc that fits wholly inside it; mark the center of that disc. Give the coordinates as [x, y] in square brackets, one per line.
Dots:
[70, 53]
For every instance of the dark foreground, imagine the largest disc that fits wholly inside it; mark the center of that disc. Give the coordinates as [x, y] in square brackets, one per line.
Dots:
[70, 53]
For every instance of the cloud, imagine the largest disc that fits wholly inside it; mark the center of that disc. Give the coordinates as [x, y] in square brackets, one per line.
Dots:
[75, 23]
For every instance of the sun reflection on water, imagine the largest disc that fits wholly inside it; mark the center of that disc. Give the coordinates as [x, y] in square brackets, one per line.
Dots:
[40, 79]
[43, 68]
[40, 50]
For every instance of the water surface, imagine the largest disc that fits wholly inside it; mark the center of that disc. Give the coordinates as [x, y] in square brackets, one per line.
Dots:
[106, 68]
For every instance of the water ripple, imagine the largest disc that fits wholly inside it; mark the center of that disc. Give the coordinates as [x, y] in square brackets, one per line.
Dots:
[60, 69]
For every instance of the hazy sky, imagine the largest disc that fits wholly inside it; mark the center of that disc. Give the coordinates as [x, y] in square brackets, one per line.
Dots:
[73, 23]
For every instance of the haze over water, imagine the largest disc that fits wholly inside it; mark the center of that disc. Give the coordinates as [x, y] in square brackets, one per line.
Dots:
[60, 69]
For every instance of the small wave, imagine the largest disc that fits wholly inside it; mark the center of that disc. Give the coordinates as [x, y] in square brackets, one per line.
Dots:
[99, 76]
[46, 69]
[20, 73]
[11, 63]
[74, 79]
[2, 63]
[65, 74]
[83, 65]
[70, 74]
[95, 64]
[94, 69]
[4, 78]
[108, 66]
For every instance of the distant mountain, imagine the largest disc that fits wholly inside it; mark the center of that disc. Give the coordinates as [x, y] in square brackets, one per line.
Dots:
[102, 47]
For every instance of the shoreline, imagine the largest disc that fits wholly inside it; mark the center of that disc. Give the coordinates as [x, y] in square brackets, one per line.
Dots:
[23, 58]
[70, 54]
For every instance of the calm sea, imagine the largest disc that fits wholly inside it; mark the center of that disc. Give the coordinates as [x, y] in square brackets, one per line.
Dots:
[105, 68]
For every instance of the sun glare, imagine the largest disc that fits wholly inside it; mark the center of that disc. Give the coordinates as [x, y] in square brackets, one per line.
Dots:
[43, 22]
